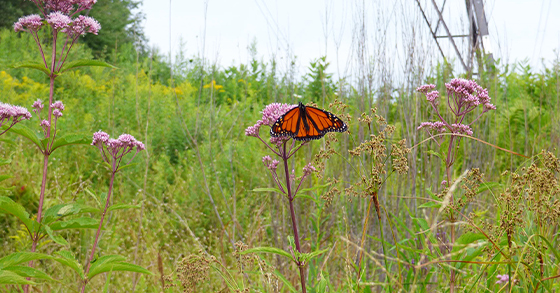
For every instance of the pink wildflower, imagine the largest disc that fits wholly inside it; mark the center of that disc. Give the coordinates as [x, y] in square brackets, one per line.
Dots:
[82, 25]
[307, 170]
[38, 106]
[29, 23]
[58, 105]
[58, 20]
[462, 128]
[502, 279]
[426, 88]
[273, 111]
[113, 150]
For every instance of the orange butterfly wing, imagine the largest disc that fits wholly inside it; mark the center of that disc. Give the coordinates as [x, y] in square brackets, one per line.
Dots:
[287, 124]
[318, 122]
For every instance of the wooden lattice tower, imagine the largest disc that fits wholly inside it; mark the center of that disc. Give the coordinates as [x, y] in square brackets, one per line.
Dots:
[478, 36]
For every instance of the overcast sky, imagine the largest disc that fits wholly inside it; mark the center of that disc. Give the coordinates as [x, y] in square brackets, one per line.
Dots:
[309, 29]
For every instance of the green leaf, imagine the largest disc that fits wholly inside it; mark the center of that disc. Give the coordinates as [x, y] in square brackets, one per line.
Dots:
[79, 223]
[5, 161]
[67, 259]
[28, 272]
[56, 238]
[306, 257]
[469, 238]
[7, 205]
[27, 133]
[114, 263]
[4, 177]
[430, 204]
[314, 188]
[17, 258]
[84, 62]
[66, 209]
[422, 223]
[112, 258]
[70, 139]
[126, 166]
[433, 153]
[267, 250]
[123, 207]
[90, 193]
[285, 281]
[267, 190]
[471, 254]
[7, 277]
[32, 65]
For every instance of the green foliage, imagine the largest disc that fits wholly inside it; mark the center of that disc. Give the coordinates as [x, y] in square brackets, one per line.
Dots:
[162, 203]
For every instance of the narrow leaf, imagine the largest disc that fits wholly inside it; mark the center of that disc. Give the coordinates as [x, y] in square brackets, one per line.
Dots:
[126, 166]
[67, 259]
[66, 209]
[84, 62]
[56, 238]
[267, 250]
[314, 188]
[117, 267]
[112, 258]
[123, 207]
[27, 133]
[79, 223]
[4, 177]
[7, 277]
[5, 161]
[32, 65]
[285, 281]
[28, 272]
[270, 189]
[7, 205]
[430, 204]
[71, 139]
[17, 258]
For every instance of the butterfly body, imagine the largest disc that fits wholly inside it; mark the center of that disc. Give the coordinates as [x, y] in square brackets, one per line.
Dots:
[306, 123]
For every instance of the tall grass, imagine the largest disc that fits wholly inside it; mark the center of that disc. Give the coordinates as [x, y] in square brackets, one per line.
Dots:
[198, 212]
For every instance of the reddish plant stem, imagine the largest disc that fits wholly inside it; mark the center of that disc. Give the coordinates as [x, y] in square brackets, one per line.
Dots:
[285, 157]
[449, 162]
[88, 265]
[46, 154]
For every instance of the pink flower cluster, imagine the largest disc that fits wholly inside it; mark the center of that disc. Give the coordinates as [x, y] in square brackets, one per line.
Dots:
[469, 93]
[58, 20]
[60, 17]
[14, 113]
[308, 169]
[113, 150]
[437, 126]
[463, 97]
[82, 25]
[58, 107]
[30, 23]
[462, 128]
[271, 164]
[38, 106]
[502, 279]
[270, 114]
[64, 6]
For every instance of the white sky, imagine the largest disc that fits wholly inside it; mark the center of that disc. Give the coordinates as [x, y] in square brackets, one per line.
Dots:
[519, 29]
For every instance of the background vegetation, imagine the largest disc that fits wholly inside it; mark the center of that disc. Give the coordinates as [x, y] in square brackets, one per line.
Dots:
[180, 183]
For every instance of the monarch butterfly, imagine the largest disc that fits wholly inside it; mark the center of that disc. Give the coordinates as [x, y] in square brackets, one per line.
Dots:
[306, 123]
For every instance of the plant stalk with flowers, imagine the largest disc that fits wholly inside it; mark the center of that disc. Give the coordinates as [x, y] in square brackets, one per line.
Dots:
[112, 151]
[62, 17]
[281, 147]
[463, 98]
[56, 15]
